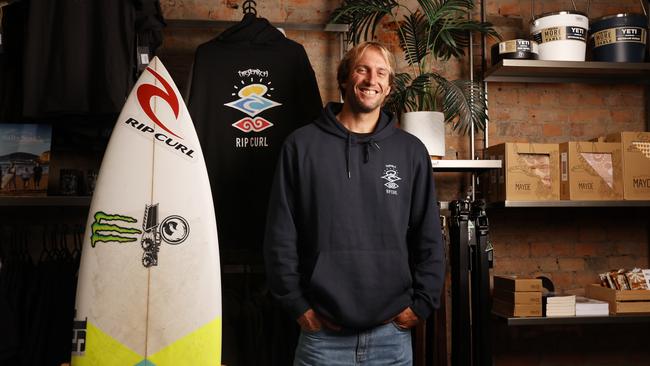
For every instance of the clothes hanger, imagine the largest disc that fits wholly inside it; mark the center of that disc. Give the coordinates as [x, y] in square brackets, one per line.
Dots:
[249, 7]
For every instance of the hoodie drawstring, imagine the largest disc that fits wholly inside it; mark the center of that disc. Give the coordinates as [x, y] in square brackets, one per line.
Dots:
[347, 154]
[366, 151]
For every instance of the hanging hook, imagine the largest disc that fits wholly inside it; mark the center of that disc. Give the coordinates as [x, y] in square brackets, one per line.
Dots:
[249, 7]
[643, 8]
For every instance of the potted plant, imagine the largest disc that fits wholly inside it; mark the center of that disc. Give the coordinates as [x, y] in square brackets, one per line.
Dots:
[436, 30]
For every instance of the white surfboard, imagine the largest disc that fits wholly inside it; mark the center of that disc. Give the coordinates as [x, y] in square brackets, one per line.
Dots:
[149, 290]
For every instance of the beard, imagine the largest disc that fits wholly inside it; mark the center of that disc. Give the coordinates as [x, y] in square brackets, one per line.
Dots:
[358, 105]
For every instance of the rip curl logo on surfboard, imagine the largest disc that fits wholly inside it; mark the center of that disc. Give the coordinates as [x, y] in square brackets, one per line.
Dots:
[169, 138]
[173, 230]
[147, 91]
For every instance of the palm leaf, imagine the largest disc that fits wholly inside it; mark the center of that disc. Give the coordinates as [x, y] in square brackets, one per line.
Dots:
[412, 94]
[451, 27]
[362, 16]
[463, 103]
[413, 38]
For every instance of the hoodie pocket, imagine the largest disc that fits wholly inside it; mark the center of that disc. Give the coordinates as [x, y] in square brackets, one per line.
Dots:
[361, 288]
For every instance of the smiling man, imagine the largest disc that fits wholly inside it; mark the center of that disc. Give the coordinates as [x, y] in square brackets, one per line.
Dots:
[353, 245]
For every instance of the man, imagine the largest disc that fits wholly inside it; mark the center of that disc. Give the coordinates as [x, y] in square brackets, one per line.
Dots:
[353, 246]
[38, 174]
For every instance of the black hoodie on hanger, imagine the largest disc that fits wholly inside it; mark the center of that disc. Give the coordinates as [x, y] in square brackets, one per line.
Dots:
[251, 87]
[80, 56]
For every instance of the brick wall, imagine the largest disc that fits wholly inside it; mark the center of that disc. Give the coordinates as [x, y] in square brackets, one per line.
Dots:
[570, 246]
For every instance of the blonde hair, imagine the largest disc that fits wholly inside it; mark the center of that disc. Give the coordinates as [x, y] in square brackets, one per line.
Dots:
[354, 54]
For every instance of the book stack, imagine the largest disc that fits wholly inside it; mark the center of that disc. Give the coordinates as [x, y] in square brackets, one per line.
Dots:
[513, 296]
[561, 306]
[591, 307]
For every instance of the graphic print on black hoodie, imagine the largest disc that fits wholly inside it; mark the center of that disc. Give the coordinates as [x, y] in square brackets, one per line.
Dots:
[254, 98]
[251, 87]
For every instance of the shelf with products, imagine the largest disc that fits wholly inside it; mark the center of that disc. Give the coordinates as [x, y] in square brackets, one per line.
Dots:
[45, 201]
[536, 71]
[569, 320]
[464, 165]
[546, 72]
[569, 204]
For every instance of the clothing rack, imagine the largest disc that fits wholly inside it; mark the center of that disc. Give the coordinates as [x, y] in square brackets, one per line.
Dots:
[202, 24]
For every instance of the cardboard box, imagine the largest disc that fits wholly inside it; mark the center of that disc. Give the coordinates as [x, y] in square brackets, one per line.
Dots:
[635, 147]
[516, 284]
[531, 172]
[621, 301]
[24, 159]
[507, 309]
[591, 171]
[519, 297]
[489, 181]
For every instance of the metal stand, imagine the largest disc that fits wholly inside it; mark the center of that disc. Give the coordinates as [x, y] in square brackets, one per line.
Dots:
[461, 335]
[481, 257]
[471, 257]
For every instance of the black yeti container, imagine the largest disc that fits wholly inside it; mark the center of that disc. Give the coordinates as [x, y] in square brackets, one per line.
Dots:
[619, 38]
[518, 49]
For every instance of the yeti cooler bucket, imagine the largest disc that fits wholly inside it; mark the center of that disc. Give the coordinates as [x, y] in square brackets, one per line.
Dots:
[619, 38]
[518, 49]
[561, 36]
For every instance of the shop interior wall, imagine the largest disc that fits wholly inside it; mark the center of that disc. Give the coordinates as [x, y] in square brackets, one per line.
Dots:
[570, 246]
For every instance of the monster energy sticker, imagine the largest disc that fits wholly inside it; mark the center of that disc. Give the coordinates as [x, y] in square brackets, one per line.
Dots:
[173, 230]
[101, 231]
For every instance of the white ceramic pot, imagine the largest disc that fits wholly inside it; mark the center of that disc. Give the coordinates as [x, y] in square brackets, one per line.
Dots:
[561, 36]
[429, 127]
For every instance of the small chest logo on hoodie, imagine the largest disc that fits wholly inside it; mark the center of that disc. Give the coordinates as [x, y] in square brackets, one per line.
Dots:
[390, 176]
[254, 92]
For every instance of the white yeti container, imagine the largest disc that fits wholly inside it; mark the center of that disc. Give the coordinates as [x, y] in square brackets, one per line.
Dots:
[562, 36]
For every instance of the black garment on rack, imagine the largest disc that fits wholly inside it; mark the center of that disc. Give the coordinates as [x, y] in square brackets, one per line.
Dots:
[36, 300]
[251, 86]
[11, 59]
[80, 56]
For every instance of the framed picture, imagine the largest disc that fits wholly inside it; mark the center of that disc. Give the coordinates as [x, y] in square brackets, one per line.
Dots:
[24, 158]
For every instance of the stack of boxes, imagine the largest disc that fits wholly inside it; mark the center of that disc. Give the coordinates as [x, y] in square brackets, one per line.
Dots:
[517, 297]
[613, 167]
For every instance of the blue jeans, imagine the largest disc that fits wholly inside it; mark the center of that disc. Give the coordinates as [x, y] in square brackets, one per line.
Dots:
[384, 345]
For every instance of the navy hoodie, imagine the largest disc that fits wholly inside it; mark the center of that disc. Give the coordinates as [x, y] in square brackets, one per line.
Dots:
[353, 227]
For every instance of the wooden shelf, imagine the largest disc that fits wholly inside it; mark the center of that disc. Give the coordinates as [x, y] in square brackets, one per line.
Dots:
[535, 71]
[568, 320]
[46, 201]
[569, 204]
[464, 165]
[222, 24]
